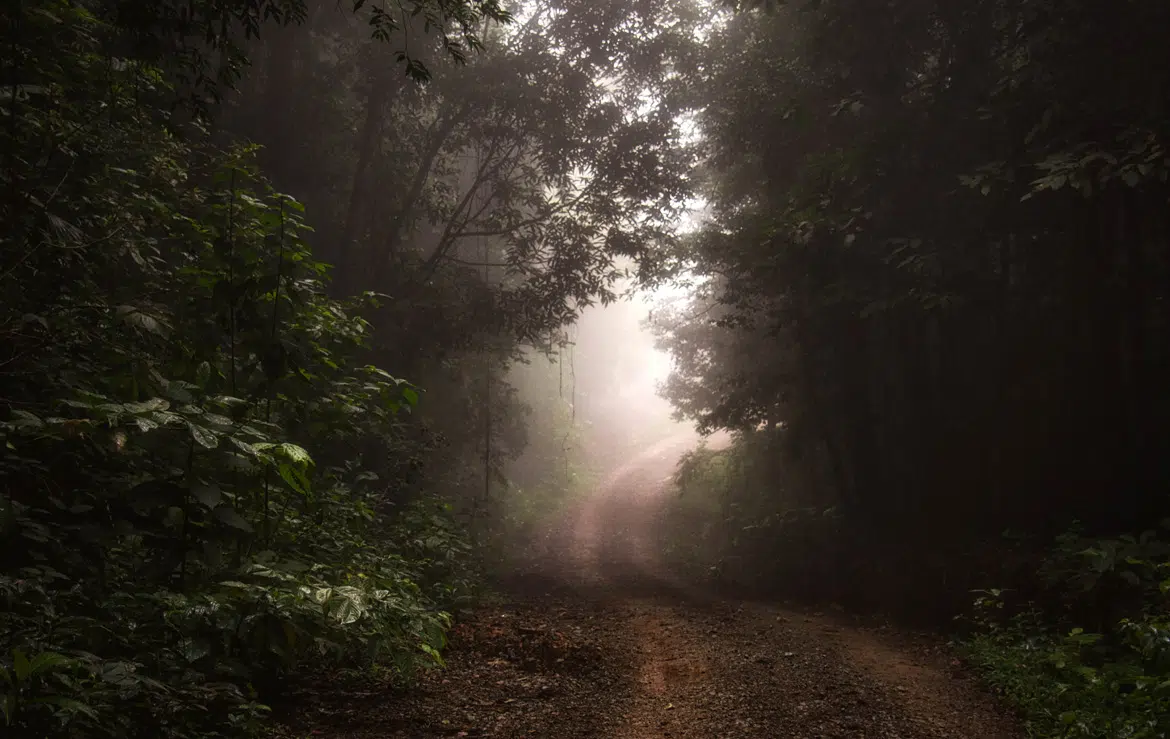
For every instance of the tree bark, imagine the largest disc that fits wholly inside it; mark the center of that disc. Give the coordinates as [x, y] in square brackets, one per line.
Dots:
[377, 95]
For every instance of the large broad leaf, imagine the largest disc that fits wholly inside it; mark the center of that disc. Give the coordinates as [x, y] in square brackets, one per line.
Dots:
[245, 447]
[295, 479]
[143, 321]
[208, 495]
[174, 517]
[295, 454]
[146, 406]
[349, 606]
[26, 419]
[203, 436]
[216, 419]
[195, 649]
[229, 517]
[69, 705]
[322, 595]
[411, 395]
[20, 666]
[434, 654]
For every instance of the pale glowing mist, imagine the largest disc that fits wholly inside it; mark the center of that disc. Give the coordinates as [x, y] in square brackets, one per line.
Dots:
[608, 380]
[618, 373]
[628, 443]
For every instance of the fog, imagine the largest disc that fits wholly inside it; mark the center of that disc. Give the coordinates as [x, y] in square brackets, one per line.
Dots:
[594, 412]
[618, 374]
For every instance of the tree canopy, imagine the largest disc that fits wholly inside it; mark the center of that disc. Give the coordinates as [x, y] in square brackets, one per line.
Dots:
[291, 286]
[209, 478]
[935, 262]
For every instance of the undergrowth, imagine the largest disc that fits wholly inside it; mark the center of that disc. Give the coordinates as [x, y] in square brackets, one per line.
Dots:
[1089, 657]
[186, 515]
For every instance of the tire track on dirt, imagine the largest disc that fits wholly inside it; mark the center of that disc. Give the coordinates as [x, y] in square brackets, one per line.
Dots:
[708, 668]
[670, 671]
[597, 640]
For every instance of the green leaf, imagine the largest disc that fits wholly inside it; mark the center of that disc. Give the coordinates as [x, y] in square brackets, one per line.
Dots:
[204, 437]
[175, 517]
[228, 516]
[26, 419]
[297, 455]
[203, 374]
[295, 478]
[136, 318]
[207, 495]
[34, 318]
[434, 654]
[166, 418]
[349, 605]
[147, 406]
[218, 420]
[68, 704]
[245, 447]
[20, 665]
[195, 649]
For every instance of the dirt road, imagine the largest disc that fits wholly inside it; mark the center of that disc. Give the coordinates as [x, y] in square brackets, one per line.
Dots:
[595, 639]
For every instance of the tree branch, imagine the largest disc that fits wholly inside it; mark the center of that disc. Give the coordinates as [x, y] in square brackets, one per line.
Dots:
[466, 263]
[437, 134]
[452, 231]
[529, 221]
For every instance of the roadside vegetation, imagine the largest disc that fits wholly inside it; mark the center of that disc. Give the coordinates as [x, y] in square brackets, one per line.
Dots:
[291, 293]
[244, 433]
[931, 303]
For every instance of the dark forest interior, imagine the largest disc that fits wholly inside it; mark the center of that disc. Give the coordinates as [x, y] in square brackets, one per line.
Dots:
[333, 329]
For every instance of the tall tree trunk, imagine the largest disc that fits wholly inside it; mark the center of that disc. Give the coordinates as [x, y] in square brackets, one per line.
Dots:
[378, 92]
[284, 69]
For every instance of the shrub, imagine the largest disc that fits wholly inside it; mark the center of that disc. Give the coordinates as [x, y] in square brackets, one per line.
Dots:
[1071, 682]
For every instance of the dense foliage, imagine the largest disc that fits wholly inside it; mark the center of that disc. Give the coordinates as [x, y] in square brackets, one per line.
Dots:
[209, 482]
[723, 529]
[491, 205]
[1088, 657]
[555, 469]
[931, 301]
[935, 261]
[195, 454]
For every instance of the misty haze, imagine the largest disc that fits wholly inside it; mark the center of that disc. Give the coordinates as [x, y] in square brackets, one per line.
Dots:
[574, 369]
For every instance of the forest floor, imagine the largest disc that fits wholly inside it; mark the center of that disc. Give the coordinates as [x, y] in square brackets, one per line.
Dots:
[594, 639]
